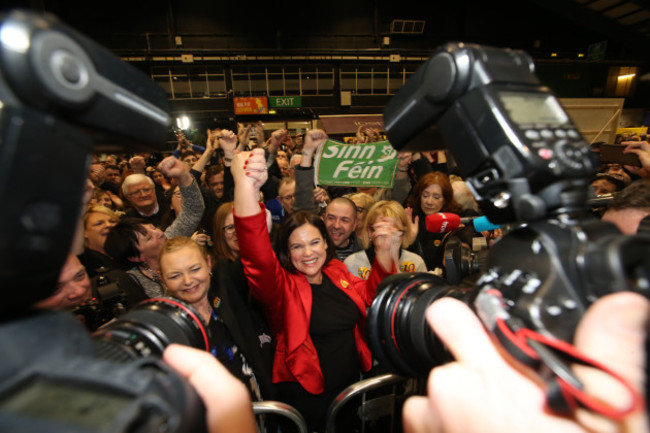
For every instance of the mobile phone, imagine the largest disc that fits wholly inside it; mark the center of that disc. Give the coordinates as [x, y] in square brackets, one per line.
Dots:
[613, 153]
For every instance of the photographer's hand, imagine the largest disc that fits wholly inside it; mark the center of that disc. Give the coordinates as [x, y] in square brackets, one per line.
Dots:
[227, 402]
[642, 150]
[483, 392]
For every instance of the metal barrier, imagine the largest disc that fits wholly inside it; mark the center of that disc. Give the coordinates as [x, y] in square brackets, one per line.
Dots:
[381, 396]
[276, 408]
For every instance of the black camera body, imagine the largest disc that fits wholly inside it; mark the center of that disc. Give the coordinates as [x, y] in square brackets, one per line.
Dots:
[461, 262]
[62, 384]
[64, 97]
[108, 302]
[527, 165]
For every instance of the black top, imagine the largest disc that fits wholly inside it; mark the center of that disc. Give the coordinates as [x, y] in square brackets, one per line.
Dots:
[333, 318]
[223, 347]
[230, 299]
[431, 246]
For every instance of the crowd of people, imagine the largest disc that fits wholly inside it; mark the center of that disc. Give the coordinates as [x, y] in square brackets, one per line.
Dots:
[282, 270]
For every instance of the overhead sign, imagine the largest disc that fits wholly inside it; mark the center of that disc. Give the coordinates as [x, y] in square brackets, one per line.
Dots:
[368, 165]
[285, 101]
[349, 123]
[596, 52]
[258, 105]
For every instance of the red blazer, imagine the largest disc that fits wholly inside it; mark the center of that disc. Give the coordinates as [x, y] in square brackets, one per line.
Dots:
[287, 301]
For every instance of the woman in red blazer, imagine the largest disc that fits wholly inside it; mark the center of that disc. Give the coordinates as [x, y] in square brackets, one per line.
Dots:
[315, 307]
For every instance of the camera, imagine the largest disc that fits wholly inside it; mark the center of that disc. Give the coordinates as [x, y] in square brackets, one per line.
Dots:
[63, 98]
[527, 165]
[112, 382]
[461, 261]
[108, 303]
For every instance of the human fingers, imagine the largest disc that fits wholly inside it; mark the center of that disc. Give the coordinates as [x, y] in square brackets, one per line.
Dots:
[237, 164]
[613, 332]
[636, 145]
[228, 405]
[418, 416]
[462, 332]
[255, 161]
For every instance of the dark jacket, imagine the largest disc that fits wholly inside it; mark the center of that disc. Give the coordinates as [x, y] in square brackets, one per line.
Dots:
[230, 298]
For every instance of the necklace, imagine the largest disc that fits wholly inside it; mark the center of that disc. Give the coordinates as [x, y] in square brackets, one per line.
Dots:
[153, 274]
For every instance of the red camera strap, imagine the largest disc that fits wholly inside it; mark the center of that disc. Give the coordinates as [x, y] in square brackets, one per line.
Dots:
[552, 358]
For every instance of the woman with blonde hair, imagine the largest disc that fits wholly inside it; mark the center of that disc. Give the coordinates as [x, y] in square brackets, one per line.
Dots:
[363, 201]
[98, 222]
[186, 273]
[391, 214]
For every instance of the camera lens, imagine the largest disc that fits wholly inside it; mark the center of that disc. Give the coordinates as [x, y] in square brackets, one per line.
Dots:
[398, 334]
[149, 327]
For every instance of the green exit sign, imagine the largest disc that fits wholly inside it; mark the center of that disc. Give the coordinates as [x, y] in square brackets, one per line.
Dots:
[596, 52]
[285, 101]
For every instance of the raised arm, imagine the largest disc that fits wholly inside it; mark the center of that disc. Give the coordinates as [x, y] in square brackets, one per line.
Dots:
[304, 173]
[266, 278]
[243, 135]
[273, 144]
[193, 206]
[313, 139]
[402, 185]
[210, 145]
[182, 144]
[249, 173]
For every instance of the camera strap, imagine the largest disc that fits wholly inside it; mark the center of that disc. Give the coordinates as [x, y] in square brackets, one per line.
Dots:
[552, 359]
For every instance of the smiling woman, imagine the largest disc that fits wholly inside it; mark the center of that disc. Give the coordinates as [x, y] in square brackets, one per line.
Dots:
[314, 305]
[185, 270]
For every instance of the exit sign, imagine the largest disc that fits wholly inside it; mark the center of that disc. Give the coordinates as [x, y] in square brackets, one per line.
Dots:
[285, 101]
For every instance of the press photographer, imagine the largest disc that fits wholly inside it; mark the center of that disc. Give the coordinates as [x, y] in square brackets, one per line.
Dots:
[64, 97]
[527, 165]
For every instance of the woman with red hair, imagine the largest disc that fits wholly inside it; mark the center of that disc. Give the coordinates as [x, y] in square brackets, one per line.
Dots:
[431, 194]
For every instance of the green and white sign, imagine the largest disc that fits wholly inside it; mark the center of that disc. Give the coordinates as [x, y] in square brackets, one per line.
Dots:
[285, 101]
[368, 165]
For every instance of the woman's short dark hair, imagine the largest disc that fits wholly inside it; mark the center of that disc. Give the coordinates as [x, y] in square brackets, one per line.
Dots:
[122, 240]
[292, 222]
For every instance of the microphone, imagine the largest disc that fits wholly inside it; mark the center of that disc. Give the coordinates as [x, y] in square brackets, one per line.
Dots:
[444, 222]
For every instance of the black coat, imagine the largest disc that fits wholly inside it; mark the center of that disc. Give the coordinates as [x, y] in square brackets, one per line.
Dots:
[229, 296]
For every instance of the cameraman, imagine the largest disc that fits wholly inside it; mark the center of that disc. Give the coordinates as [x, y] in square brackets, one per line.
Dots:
[72, 289]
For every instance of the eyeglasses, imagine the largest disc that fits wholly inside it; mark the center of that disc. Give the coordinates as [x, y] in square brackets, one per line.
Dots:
[141, 191]
[288, 197]
[229, 229]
